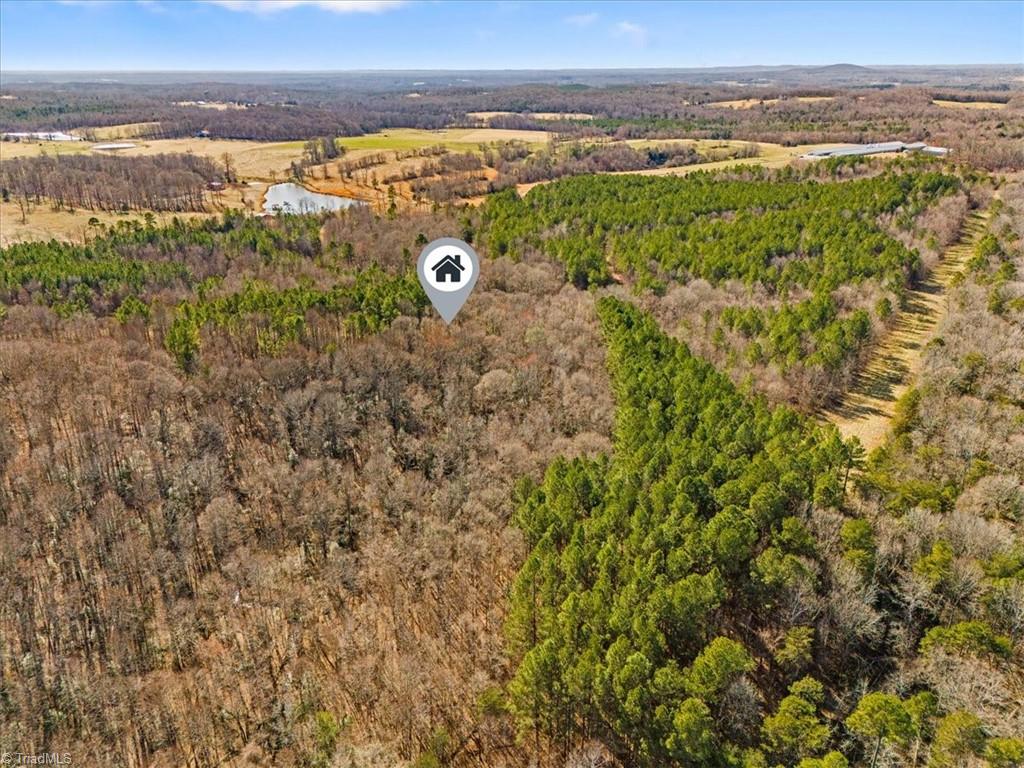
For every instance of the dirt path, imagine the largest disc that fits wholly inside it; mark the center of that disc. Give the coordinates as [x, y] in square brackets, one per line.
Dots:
[867, 407]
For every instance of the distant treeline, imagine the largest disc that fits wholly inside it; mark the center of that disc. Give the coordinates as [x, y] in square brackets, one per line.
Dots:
[638, 111]
[266, 116]
[170, 182]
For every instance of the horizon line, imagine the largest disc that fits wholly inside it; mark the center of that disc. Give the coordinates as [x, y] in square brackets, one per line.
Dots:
[3, 70]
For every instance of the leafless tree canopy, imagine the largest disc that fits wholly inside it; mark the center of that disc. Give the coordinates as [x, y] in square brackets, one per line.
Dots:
[168, 182]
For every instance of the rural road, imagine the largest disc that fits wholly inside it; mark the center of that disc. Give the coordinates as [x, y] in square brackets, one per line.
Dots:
[867, 407]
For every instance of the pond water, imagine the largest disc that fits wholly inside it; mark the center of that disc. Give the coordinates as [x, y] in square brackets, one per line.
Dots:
[294, 198]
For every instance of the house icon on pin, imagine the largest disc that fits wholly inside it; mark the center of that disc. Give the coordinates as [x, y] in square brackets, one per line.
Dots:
[449, 269]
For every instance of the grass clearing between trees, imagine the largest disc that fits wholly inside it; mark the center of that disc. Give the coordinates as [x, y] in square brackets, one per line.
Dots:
[867, 408]
[969, 104]
[123, 131]
[459, 139]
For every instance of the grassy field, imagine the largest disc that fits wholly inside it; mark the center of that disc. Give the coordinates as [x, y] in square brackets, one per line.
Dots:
[750, 103]
[123, 131]
[252, 159]
[257, 164]
[741, 103]
[458, 139]
[867, 408]
[969, 104]
[44, 223]
[260, 163]
[267, 160]
[12, 149]
[41, 222]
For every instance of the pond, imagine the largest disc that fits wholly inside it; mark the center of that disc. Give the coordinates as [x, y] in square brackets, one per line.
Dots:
[294, 198]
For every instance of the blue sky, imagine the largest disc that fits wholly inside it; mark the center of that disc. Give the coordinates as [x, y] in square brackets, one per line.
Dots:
[426, 34]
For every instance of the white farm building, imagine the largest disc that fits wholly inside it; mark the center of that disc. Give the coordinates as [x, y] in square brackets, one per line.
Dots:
[851, 150]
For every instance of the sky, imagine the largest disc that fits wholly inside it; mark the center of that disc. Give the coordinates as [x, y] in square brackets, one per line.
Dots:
[431, 34]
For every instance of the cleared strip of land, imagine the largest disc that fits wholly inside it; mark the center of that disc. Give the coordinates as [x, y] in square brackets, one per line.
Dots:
[751, 103]
[867, 408]
[123, 131]
[741, 103]
[535, 115]
[969, 104]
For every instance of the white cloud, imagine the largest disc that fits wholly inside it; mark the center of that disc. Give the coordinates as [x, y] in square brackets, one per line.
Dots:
[634, 32]
[581, 19]
[335, 6]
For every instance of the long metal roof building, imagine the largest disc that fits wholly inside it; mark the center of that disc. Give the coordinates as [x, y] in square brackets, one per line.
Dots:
[876, 149]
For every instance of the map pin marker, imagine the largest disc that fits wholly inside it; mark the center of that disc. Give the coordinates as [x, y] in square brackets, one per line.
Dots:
[448, 269]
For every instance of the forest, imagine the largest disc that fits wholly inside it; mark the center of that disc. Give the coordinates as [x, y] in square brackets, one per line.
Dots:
[653, 572]
[578, 158]
[166, 182]
[797, 241]
[260, 506]
[683, 596]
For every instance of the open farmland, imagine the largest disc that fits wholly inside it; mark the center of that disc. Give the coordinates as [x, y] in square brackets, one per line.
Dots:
[969, 104]
[44, 223]
[458, 139]
[258, 164]
[252, 159]
[755, 102]
[112, 132]
[34, 148]
[742, 103]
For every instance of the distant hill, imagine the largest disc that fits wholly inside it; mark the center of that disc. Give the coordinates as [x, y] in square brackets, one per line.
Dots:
[837, 69]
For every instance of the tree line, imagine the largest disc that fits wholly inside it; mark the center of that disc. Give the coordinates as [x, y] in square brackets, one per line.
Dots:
[165, 182]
